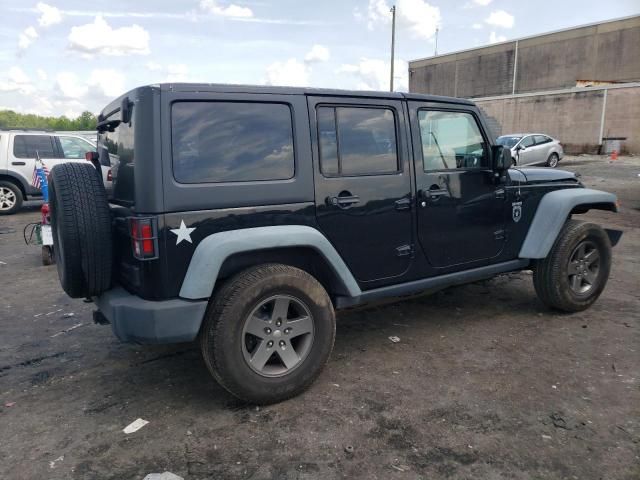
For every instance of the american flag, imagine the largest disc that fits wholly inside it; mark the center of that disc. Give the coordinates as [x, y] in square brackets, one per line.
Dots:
[35, 179]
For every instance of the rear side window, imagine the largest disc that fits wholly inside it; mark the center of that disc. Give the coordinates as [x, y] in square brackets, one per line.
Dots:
[357, 141]
[26, 146]
[231, 142]
[528, 141]
[540, 139]
[75, 148]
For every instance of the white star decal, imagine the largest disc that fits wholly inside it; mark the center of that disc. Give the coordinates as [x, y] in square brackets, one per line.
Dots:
[183, 233]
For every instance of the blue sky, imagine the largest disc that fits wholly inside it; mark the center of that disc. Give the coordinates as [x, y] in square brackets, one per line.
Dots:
[65, 56]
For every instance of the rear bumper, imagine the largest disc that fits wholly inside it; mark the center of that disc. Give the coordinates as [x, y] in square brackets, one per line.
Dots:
[136, 320]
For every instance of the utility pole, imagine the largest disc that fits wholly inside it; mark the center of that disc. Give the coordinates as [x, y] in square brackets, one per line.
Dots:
[435, 53]
[393, 43]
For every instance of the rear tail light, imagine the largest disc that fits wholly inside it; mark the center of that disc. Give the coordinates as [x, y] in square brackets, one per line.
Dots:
[144, 238]
[109, 176]
[91, 156]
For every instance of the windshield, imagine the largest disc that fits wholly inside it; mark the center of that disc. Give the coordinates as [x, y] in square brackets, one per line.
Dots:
[508, 140]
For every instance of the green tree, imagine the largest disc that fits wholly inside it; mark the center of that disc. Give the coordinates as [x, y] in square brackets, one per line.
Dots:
[11, 119]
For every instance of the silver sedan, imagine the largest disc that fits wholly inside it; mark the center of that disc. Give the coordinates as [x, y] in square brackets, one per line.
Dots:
[533, 149]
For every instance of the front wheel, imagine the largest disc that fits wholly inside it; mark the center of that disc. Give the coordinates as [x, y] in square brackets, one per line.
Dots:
[268, 333]
[576, 270]
[553, 160]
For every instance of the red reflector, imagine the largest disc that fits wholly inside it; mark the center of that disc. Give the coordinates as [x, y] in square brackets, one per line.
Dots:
[109, 176]
[91, 156]
[147, 242]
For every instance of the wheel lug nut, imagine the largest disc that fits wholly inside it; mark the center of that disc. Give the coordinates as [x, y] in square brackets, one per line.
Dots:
[269, 344]
[278, 322]
[282, 343]
[287, 330]
[267, 331]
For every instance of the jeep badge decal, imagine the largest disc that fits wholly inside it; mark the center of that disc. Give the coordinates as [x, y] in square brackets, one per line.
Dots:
[183, 233]
[516, 213]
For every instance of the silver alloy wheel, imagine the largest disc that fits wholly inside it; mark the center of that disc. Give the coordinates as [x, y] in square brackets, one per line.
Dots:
[277, 335]
[553, 160]
[583, 268]
[7, 198]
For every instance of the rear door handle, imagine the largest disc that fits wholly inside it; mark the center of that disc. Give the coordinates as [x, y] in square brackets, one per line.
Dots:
[343, 201]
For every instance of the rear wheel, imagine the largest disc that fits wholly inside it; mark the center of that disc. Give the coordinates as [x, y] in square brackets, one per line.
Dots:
[577, 268]
[10, 197]
[553, 160]
[268, 333]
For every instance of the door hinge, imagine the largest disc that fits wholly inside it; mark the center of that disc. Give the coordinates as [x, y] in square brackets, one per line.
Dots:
[404, 250]
[499, 234]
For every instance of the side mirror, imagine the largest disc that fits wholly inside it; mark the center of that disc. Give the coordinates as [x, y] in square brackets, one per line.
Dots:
[502, 160]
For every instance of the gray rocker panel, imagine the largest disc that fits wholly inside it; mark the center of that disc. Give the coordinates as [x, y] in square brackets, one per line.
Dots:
[213, 250]
[553, 210]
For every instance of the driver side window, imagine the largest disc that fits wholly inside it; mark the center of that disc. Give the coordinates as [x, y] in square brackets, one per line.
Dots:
[451, 140]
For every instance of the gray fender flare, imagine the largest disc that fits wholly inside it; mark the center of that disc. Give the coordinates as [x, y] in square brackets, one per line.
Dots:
[216, 248]
[552, 213]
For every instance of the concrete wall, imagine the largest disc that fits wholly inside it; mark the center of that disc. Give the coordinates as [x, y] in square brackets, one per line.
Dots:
[607, 51]
[575, 118]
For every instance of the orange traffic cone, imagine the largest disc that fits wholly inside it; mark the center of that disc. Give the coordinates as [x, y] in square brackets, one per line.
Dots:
[614, 156]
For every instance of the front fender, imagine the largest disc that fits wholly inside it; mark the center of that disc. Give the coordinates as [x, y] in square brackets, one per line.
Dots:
[211, 253]
[553, 211]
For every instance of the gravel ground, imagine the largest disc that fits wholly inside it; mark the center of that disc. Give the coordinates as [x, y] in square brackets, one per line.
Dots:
[484, 383]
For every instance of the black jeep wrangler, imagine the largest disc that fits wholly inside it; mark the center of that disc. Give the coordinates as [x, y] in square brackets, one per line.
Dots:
[243, 217]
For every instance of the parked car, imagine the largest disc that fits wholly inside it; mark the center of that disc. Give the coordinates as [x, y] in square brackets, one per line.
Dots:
[533, 149]
[251, 214]
[17, 160]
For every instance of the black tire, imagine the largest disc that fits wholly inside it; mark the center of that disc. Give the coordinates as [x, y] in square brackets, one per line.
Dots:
[81, 227]
[223, 333]
[11, 198]
[552, 277]
[553, 160]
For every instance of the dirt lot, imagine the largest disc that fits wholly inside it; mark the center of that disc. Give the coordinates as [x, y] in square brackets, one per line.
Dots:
[485, 383]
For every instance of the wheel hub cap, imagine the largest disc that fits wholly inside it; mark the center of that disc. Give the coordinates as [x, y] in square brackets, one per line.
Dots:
[277, 335]
[583, 268]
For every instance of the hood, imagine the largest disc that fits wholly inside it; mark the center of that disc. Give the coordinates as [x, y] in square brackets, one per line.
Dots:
[542, 175]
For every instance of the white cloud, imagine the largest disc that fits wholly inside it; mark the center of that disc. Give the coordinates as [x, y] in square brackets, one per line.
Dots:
[70, 86]
[153, 66]
[493, 38]
[42, 75]
[16, 80]
[477, 26]
[177, 72]
[107, 82]
[417, 16]
[373, 74]
[500, 18]
[231, 10]
[48, 15]
[100, 38]
[172, 73]
[102, 82]
[291, 72]
[27, 37]
[482, 3]
[318, 53]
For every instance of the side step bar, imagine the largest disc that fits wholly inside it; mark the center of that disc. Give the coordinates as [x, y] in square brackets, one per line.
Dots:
[433, 283]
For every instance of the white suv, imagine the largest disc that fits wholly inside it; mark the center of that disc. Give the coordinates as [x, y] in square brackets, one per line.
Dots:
[17, 161]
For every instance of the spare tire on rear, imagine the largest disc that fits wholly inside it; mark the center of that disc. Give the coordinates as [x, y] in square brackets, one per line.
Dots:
[81, 227]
